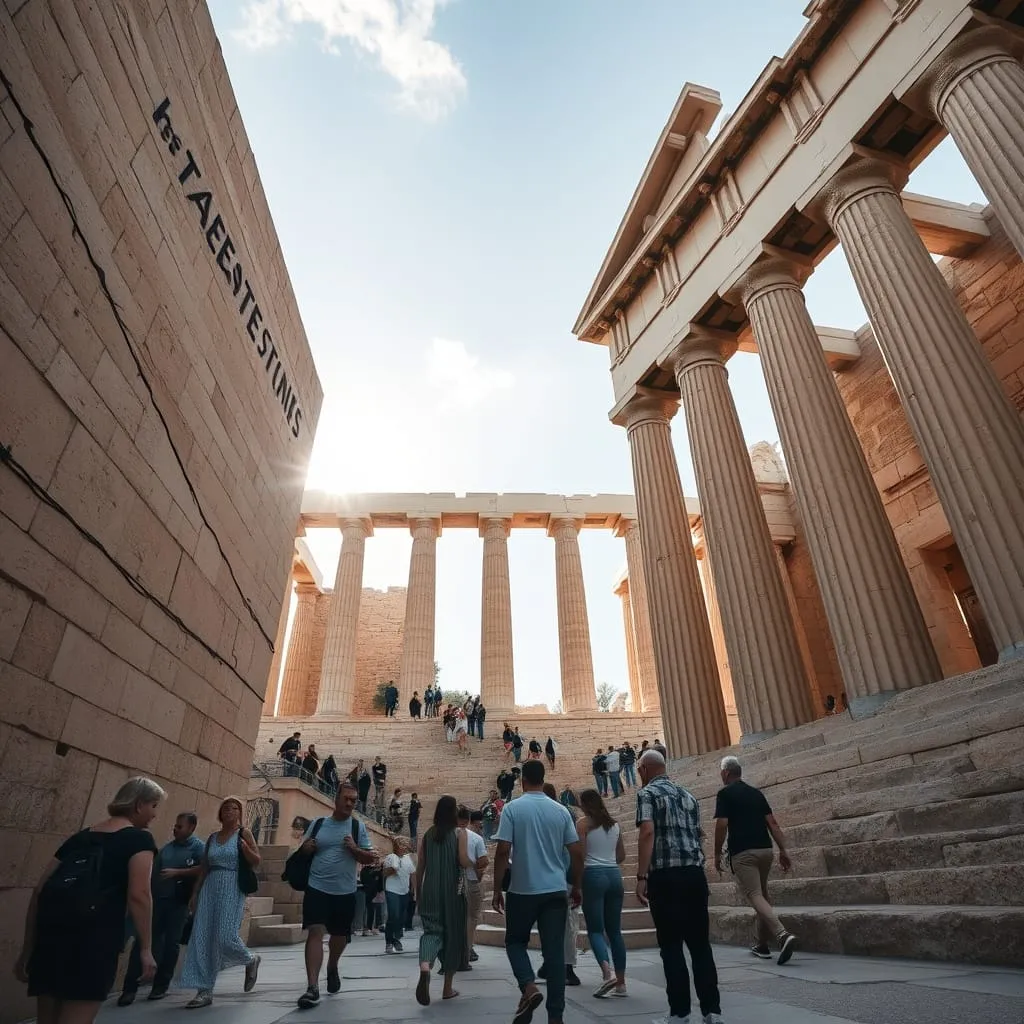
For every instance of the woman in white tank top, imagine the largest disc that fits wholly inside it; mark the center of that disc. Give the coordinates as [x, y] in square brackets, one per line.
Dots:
[603, 891]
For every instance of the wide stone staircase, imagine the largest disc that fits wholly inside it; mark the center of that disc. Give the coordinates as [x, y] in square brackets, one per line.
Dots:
[906, 830]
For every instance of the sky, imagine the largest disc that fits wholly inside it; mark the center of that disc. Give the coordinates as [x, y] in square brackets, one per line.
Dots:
[445, 177]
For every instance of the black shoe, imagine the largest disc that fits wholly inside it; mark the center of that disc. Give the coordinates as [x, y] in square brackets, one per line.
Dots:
[333, 981]
[473, 957]
[309, 998]
[399, 948]
[126, 999]
[571, 978]
[786, 948]
[761, 951]
[156, 993]
[542, 973]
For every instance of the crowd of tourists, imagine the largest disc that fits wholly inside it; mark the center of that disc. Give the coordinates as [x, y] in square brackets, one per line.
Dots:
[554, 855]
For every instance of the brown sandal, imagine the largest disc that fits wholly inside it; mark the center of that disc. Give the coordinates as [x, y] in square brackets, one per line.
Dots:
[423, 989]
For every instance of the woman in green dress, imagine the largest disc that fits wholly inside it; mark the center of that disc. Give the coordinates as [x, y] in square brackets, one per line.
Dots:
[440, 883]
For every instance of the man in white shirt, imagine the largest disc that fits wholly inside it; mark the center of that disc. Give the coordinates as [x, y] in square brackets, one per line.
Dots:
[614, 769]
[540, 831]
[477, 848]
[399, 871]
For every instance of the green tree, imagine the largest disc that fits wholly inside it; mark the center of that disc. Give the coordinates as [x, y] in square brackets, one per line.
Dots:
[606, 694]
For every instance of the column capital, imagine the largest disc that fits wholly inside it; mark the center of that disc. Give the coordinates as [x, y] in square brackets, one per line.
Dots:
[564, 525]
[621, 589]
[494, 525]
[306, 590]
[866, 173]
[697, 345]
[357, 527]
[626, 525]
[420, 525]
[769, 274]
[646, 406]
[985, 44]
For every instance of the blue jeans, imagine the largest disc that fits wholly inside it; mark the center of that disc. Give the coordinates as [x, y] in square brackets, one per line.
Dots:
[629, 771]
[601, 782]
[550, 913]
[479, 730]
[414, 825]
[602, 910]
[616, 782]
[471, 725]
[396, 903]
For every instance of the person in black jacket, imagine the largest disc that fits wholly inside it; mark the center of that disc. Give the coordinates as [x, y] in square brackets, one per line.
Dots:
[481, 715]
[415, 706]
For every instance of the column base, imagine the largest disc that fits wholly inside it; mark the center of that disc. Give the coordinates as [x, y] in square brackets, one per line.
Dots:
[756, 737]
[1012, 653]
[865, 707]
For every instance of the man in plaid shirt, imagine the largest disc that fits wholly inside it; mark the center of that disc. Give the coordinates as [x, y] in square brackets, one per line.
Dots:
[670, 878]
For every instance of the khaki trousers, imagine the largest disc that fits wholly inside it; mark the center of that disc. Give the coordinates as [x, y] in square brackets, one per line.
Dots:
[474, 912]
[751, 868]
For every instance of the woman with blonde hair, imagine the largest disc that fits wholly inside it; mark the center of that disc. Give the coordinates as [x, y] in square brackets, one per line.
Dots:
[219, 903]
[603, 891]
[74, 926]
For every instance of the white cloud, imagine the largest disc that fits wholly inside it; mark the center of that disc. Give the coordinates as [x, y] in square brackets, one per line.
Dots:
[460, 379]
[395, 32]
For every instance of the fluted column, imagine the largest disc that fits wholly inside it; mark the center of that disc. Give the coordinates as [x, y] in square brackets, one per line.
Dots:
[338, 671]
[969, 434]
[296, 662]
[646, 663]
[629, 634]
[691, 700]
[707, 581]
[274, 675]
[764, 658]
[416, 671]
[497, 677]
[574, 651]
[976, 89]
[880, 635]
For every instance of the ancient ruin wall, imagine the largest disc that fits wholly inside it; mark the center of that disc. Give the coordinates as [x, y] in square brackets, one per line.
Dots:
[990, 288]
[378, 644]
[103, 678]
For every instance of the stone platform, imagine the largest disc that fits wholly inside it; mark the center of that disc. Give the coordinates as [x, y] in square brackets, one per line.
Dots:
[811, 989]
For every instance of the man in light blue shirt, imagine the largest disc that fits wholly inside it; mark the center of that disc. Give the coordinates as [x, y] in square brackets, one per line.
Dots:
[539, 830]
[339, 845]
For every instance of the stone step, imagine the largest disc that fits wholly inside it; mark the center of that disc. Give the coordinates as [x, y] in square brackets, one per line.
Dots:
[986, 885]
[280, 893]
[259, 905]
[994, 845]
[984, 935]
[266, 920]
[276, 935]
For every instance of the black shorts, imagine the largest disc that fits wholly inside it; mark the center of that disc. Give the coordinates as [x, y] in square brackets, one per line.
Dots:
[334, 913]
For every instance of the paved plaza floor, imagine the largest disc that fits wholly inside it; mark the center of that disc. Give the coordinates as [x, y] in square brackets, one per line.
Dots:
[811, 989]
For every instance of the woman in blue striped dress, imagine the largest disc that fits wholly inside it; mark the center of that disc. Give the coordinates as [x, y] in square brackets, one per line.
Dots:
[218, 909]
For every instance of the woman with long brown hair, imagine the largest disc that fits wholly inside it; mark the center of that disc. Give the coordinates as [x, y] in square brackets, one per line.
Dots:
[219, 905]
[603, 891]
[440, 883]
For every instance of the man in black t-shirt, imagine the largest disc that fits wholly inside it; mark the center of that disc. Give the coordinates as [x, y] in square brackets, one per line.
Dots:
[289, 750]
[743, 812]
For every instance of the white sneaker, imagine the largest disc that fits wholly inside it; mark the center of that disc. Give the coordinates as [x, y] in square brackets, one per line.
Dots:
[714, 1018]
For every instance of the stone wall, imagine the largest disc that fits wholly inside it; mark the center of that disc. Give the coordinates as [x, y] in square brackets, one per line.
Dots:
[990, 289]
[378, 644]
[145, 408]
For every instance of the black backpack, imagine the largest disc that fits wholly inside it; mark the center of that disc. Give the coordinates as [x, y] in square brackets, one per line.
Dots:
[74, 897]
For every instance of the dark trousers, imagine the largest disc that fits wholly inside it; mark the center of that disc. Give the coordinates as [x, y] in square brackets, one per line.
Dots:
[395, 923]
[679, 906]
[549, 911]
[169, 917]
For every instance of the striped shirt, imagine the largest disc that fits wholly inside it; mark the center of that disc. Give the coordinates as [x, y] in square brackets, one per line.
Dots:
[678, 838]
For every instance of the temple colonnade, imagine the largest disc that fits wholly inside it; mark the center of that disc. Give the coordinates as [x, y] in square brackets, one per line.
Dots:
[818, 157]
